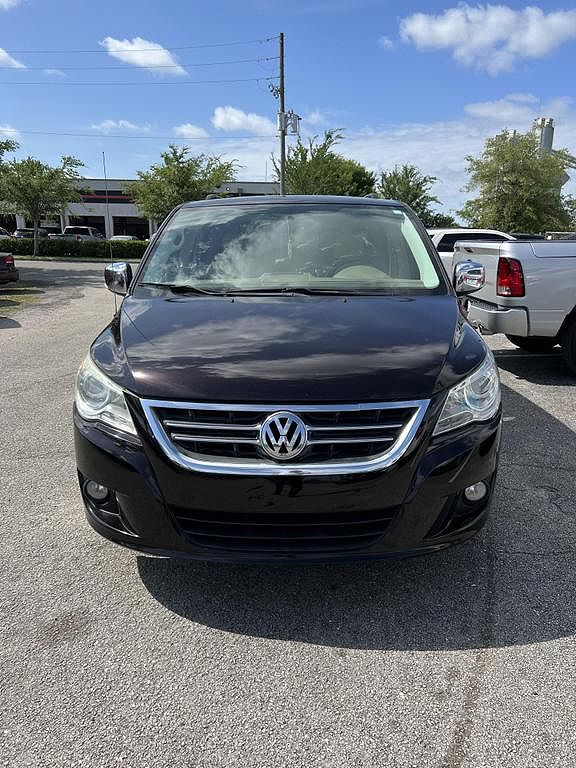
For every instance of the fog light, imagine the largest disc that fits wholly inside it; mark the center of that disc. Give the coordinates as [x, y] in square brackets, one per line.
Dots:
[476, 492]
[96, 491]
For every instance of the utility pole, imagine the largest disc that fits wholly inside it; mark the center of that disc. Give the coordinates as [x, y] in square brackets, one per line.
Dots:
[282, 120]
[287, 121]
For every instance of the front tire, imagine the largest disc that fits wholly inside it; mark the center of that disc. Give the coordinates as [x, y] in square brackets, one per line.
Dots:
[568, 343]
[532, 344]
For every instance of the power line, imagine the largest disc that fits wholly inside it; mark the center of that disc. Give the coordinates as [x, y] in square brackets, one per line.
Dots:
[154, 66]
[144, 136]
[139, 50]
[50, 83]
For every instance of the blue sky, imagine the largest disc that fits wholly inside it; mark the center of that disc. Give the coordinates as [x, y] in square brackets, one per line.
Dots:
[419, 82]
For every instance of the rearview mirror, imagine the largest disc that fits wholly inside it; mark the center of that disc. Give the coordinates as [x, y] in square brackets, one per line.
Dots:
[118, 277]
[469, 276]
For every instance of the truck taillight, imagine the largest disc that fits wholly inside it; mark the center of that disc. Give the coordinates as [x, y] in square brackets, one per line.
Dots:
[510, 279]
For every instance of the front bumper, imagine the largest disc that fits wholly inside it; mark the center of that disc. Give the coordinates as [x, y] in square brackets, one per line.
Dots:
[414, 506]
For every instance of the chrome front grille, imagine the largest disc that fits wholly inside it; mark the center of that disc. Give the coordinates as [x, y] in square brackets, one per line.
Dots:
[217, 438]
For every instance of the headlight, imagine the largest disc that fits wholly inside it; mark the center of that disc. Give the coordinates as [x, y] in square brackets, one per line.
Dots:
[477, 398]
[99, 399]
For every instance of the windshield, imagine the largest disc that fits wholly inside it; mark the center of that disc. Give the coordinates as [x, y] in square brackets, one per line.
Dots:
[312, 247]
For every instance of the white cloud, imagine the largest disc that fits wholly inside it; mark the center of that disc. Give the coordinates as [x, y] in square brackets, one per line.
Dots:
[143, 53]
[386, 43]
[523, 98]
[7, 61]
[5, 5]
[253, 155]
[490, 37]
[516, 109]
[232, 119]
[10, 133]
[189, 131]
[314, 118]
[57, 72]
[500, 110]
[109, 126]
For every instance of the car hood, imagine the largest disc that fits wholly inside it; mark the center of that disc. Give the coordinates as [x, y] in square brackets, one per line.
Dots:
[288, 349]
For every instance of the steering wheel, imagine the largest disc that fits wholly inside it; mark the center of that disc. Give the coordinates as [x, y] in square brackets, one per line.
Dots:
[350, 261]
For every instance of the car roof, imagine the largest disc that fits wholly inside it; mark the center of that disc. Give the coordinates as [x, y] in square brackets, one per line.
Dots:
[465, 230]
[296, 199]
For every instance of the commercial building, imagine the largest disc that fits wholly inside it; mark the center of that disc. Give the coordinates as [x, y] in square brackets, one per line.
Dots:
[114, 212]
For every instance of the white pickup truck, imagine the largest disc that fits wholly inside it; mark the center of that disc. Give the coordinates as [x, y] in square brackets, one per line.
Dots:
[444, 240]
[529, 292]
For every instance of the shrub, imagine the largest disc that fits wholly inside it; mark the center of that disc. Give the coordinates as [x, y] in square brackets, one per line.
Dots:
[122, 250]
[19, 247]
[59, 248]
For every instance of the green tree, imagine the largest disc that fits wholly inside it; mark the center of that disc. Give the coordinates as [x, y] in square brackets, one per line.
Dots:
[180, 177]
[407, 184]
[37, 190]
[570, 206]
[315, 169]
[518, 186]
[8, 145]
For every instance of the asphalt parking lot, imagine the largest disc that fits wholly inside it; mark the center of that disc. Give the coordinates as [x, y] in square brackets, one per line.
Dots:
[465, 658]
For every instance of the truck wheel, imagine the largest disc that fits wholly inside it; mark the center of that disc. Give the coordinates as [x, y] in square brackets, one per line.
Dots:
[568, 341]
[534, 344]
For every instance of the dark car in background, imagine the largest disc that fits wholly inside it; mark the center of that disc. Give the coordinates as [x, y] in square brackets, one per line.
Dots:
[288, 379]
[8, 271]
[28, 232]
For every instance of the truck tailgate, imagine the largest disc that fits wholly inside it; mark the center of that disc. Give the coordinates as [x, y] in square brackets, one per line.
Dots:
[486, 310]
[486, 254]
[546, 292]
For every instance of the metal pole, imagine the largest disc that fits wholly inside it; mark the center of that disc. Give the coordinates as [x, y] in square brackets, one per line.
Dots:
[282, 118]
[107, 219]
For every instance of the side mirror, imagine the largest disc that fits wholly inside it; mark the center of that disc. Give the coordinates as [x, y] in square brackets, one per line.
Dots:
[469, 276]
[118, 277]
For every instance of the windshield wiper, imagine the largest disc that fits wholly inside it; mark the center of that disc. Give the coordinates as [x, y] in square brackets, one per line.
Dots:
[287, 290]
[272, 290]
[182, 288]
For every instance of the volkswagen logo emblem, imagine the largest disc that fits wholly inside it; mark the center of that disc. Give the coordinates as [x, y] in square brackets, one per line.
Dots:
[283, 435]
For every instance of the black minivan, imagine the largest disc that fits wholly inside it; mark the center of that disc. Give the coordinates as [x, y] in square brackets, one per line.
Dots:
[288, 379]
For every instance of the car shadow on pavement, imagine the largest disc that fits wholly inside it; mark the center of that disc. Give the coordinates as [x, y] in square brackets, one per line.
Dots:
[21, 290]
[8, 322]
[37, 275]
[546, 368]
[514, 584]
